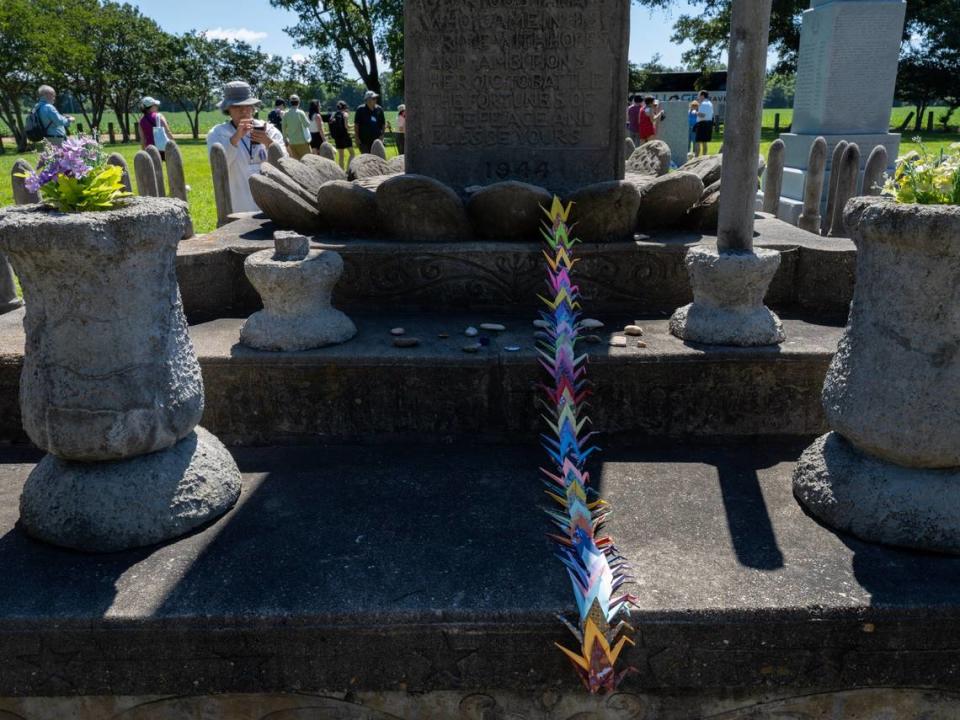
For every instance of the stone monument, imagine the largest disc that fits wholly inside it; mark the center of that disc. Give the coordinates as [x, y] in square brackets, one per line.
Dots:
[527, 91]
[845, 81]
[674, 130]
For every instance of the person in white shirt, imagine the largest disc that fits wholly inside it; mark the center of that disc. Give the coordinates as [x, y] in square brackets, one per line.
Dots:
[244, 140]
[703, 130]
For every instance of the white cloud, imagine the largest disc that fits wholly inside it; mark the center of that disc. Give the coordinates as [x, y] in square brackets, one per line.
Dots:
[242, 34]
[299, 58]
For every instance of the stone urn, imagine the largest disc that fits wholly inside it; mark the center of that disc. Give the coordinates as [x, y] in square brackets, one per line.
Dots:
[296, 285]
[890, 470]
[111, 387]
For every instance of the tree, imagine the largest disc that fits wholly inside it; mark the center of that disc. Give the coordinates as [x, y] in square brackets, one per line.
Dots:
[132, 61]
[194, 71]
[23, 61]
[779, 90]
[358, 28]
[639, 75]
[83, 65]
[930, 61]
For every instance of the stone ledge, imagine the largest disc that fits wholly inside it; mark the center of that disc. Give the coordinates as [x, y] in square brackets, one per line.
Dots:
[367, 389]
[415, 570]
[645, 276]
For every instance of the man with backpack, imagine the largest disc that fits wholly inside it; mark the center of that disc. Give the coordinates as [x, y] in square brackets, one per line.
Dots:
[44, 122]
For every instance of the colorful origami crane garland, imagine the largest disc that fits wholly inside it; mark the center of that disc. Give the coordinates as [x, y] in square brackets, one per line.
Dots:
[596, 569]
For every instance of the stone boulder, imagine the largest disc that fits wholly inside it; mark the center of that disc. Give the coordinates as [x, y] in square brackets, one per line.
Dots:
[416, 207]
[705, 215]
[378, 149]
[397, 164]
[508, 210]
[326, 168]
[364, 166]
[706, 167]
[605, 212]
[665, 202]
[628, 147]
[288, 182]
[372, 183]
[285, 207]
[651, 158]
[348, 207]
[302, 174]
[640, 182]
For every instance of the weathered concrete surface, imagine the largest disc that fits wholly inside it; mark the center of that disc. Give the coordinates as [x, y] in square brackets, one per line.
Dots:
[894, 387]
[878, 500]
[110, 372]
[369, 389]
[643, 276]
[298, 590]
[549, 704]
[728, 291]
[110, 506]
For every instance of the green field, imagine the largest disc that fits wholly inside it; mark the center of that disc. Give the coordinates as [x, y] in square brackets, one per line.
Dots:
[197, 168]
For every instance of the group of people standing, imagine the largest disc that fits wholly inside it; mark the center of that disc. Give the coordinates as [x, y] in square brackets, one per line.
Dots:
[645, 114]
[245, 139]
[303, 132]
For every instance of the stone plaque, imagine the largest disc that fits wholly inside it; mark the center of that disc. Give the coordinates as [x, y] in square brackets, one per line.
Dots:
[530, 90]
[848, 67]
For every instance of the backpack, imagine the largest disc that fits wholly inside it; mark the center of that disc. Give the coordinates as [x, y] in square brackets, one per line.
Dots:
[34, 128]
[337, 123]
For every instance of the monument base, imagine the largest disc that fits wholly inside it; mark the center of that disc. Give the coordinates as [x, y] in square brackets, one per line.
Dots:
[879, 501]
[728, 291]
[123, 504]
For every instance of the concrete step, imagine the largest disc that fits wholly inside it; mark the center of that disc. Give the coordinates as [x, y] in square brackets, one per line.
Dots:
[416, 570]
[645, 276]
[367, 389]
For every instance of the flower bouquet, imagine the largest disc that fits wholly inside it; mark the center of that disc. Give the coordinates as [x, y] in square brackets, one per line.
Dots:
[927, 179]
[75, 176]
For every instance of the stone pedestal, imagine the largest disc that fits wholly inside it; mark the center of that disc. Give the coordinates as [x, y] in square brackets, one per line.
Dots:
[893, 389]
[110, 374]
[846, 74]
[727, 307]
[296, 285]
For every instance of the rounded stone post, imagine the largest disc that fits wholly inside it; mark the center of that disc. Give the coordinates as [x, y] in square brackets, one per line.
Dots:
[379, 149]
[157, 168]
[846, 187]
[628, 147]
[773, 177]
[146, 175]
[873, 172]
[22, 196]
[825, 221]
[109, 374]
[747, 50]
[890, 470]
[274, 153]
[813, 187]
[178, 183]
[9, 300]
[729, 282]
[296, 284]
[117, 159]
[327, 151]
[221, 184]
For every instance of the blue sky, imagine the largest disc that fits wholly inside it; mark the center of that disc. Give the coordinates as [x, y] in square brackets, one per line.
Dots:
[260, 24]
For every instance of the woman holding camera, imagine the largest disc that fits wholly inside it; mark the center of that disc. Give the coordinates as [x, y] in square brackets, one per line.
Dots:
[245, 141]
